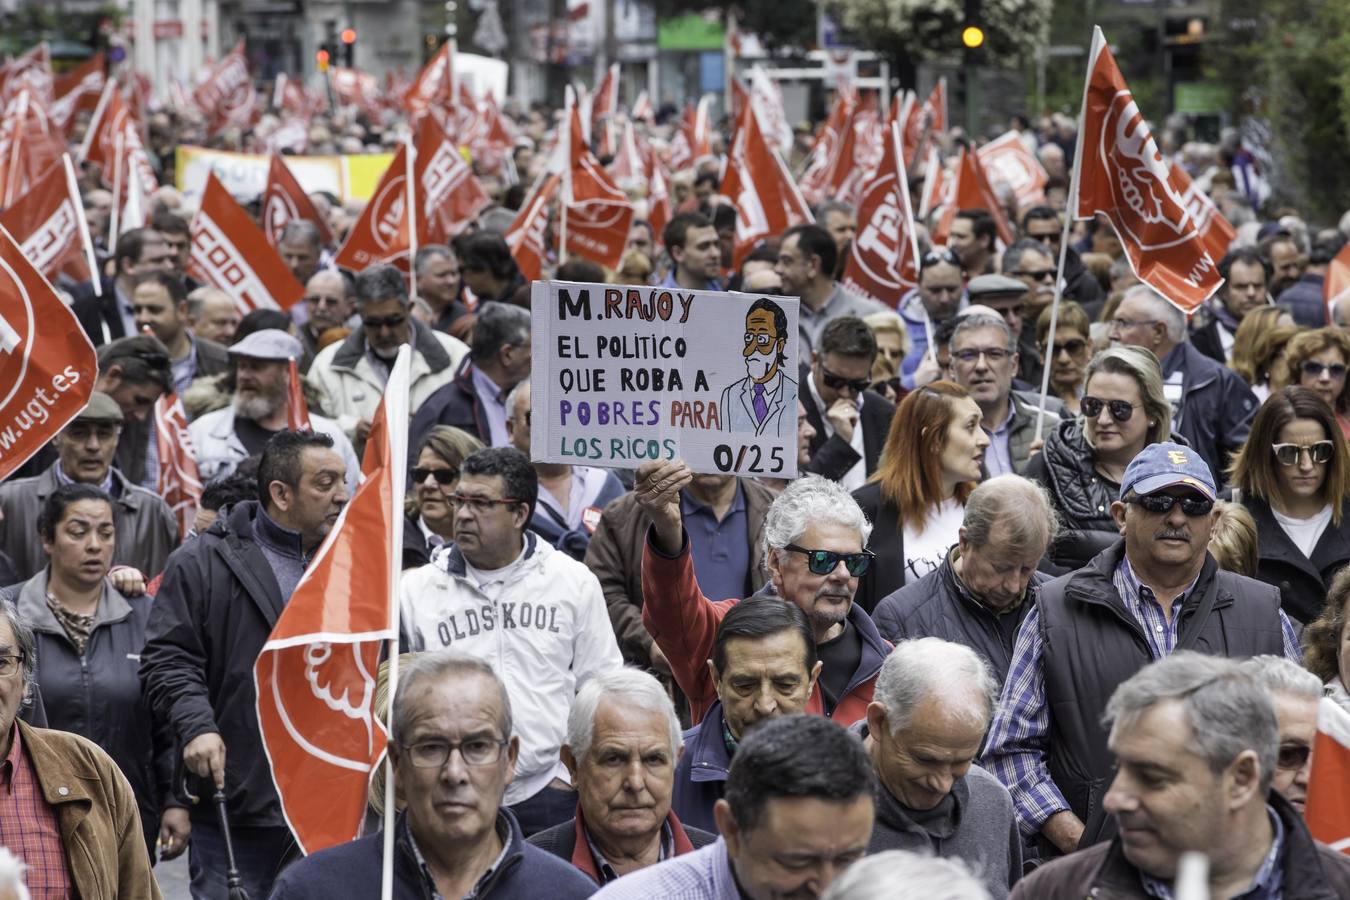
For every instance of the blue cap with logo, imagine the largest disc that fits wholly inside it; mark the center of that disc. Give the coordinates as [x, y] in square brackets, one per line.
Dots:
[1165, 465]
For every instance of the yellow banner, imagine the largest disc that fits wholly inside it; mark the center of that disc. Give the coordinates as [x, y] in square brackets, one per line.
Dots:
[244, 175]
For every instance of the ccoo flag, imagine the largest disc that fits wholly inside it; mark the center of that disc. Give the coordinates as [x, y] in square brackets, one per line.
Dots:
[180, 482]
[1121, 175]
[230, 252]
[316, 675]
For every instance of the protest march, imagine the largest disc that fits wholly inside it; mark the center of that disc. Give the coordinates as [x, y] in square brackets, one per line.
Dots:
[410, 491]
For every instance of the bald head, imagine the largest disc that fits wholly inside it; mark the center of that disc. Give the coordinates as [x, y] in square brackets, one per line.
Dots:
[329, 302]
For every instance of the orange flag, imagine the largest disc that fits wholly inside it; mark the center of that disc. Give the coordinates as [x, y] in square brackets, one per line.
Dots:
[180, 483]
[598, 212]
[297, 410]
[381, 233]
[527, 235]
[231, 253]
[766, 199]
[315, 677]
[884, 261]
[1121, 175]
[434, 85]
[1328, 808]
[47, 365]
[1007, 160]
[46, 223]
[284, 200]
[1216, 231]
[972, 191]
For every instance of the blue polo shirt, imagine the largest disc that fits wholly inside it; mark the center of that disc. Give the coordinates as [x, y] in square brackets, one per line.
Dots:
[721, 550]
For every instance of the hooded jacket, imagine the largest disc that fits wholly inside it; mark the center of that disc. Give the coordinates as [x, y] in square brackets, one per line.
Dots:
[545, 634]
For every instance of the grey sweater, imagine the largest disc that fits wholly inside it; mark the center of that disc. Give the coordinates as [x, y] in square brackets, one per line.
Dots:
[979, 830]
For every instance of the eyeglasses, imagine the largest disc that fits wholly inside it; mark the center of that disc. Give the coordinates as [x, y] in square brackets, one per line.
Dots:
[970, 357]
[823, 562]
[444, 477]
[839, 382]
[1292, 757]
[475, 751]
[10, 664]
[480, 504]
[1119, 324]
[1073, 347]
[375, 324]
[1121, 410]
[1289, 454]
[1314, 369]
[1191, 504]
[1037, 274]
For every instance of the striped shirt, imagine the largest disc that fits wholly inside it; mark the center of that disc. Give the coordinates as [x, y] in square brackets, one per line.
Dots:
[29, 827]
[704, 874]
[1020, 734]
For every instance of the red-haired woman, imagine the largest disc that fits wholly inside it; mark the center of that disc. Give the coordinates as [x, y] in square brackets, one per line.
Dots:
[916, 498]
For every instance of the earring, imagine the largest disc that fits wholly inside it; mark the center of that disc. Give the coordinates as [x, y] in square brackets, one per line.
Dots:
[1152, 424]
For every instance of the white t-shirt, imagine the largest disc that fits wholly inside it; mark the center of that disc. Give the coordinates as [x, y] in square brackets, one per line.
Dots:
[925, 550]
[1305, 533]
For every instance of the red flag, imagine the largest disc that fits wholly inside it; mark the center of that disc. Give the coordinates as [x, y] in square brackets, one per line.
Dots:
[30, 144]
[297, 410]
[766, 200]
[627, 167]
[740, 98]
[1007, 160]
[1328, 808]
[353, 87]
[77, 91]
[605, 104]
[823, 148]
[936, 191]
[1217, 232]
[434, 86]
[381, 233]
[924, 122]
[316, 675]
[45, 221]
[231, 253]
[284, 200]
[449, 195]
[526, 236]
[113, 142]
[47, 365]
[1337, 282]
[227, 96]
[972, 191]
[884, 261]
[598, 212]
[642, 108]
[658, 200]
[180, 483]
[32, 70]
[1121, 175]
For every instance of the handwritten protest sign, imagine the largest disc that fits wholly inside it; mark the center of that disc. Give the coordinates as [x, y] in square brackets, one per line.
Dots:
[624, 374]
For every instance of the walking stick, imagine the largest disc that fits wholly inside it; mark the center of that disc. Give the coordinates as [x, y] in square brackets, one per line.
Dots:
[232, 876]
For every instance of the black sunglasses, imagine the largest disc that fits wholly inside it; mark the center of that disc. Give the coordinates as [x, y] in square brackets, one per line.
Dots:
[1121, 410]
[823, 562]
[444, 477]
[1293, 757]
[1036, 274]
[1315, 369]
[375, 324]
[839, 382]
[1191, 504]
[1073, 347]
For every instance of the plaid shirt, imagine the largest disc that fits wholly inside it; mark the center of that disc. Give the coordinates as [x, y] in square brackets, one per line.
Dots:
[29, 827]
[1020, 733]
[704, 874]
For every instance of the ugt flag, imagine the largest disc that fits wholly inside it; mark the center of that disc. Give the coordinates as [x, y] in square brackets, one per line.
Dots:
[180, 482]
[1328, 809]
[316, 675]
[883, 260]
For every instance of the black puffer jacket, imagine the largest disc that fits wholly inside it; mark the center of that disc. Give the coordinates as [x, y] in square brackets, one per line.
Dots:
[1081, 496]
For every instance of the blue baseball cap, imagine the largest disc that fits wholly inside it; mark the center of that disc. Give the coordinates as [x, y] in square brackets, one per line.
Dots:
[1166, 465]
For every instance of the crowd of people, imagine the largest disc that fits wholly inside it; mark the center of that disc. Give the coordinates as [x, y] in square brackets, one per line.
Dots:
[988, 644]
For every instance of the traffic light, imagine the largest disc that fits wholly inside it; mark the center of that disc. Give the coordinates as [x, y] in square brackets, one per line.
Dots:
[972, 37]
[321, 59]
[348, 46]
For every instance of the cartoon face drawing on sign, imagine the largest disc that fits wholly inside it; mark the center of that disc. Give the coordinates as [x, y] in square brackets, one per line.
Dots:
[755, 404]
[1150, 207]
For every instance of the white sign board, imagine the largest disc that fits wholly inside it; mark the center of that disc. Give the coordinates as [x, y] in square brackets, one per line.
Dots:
[625, 374]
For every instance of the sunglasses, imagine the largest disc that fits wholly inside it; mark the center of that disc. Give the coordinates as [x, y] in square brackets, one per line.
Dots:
[1191, 504]
[1036, 274]
[375, 324]
[823, 562]
[1315, 369]
[940, 255]
[1121, 410]
[1288, 454]
[444, 477]
[839, 382]
[1073, 347]
[1293, 757]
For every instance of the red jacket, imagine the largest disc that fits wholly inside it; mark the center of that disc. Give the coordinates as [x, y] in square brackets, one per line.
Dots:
[683, 622]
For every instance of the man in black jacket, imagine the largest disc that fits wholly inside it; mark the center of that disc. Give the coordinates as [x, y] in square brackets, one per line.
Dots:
[850, 420]
[220, 598]
[1156, 591]
[1042, 223]
[110, 316]
[983, 589]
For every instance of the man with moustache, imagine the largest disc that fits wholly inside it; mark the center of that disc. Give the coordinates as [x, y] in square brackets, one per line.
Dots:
[1296, 694]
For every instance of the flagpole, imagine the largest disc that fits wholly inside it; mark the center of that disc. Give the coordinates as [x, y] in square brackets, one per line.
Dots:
[410, 201]
[1071, 208]
[567, 183]
[73, 189]
[114, 223]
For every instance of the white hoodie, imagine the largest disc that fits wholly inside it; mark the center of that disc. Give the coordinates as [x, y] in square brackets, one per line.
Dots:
[544, 632]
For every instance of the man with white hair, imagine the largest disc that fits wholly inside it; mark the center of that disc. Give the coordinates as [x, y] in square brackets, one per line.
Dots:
[1295, 693]
[815, 538]
[1212, 407]
[900, 875]
[1194, 738]
[924, 726]
[623, 740]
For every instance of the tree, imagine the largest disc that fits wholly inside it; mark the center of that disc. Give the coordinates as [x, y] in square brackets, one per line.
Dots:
[925, 29]
[779, 23]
